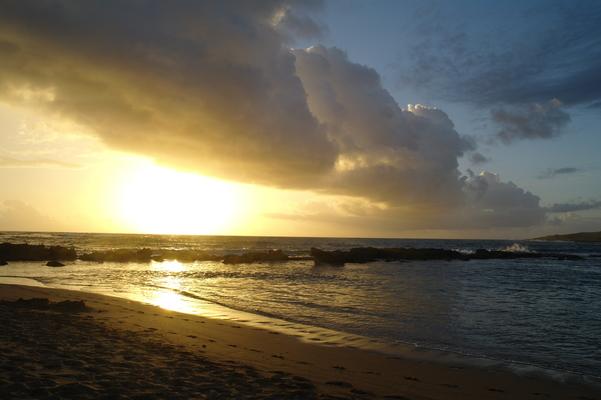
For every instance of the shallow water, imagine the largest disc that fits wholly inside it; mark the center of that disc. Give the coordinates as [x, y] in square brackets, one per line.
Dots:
[537, 311]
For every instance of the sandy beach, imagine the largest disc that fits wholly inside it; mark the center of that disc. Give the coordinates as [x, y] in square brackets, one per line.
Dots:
[123, 349]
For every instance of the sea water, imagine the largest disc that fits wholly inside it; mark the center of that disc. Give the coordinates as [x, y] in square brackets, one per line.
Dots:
[540, 312]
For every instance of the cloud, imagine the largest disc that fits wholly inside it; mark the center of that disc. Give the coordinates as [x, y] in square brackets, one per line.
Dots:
[10, 162]
[17, 215]
[385, 153]
[487, 202]
[208, 86]
[214, 87]
[488, 62]
[572, 207]
[300, 24]
[534, 121]
[552, 173]
[477, 158]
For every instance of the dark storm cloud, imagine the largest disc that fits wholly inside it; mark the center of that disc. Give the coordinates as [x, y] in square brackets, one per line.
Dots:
[552, 173]
[214, 87]
[533, 121]
[524, 54]
[572, 207]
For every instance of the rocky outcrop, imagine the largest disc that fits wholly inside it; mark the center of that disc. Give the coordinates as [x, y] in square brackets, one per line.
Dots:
[253, 257]
[119, 255]
[147, 255]
[369, 254]
[68, 306]
[34, 252]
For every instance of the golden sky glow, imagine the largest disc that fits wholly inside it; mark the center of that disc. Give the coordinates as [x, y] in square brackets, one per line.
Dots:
[153, 199]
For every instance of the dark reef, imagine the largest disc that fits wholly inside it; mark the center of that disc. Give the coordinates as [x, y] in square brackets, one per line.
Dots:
[34, 252]
[369, 254]
[55, 254]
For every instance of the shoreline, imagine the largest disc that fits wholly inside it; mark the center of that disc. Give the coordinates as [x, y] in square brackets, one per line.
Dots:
[343, 371]
[317, 335]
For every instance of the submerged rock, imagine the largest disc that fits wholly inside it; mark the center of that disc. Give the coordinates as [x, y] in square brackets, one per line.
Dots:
[251, 257]
[54, 264]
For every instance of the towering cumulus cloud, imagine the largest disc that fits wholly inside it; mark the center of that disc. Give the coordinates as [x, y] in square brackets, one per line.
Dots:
[214, 87]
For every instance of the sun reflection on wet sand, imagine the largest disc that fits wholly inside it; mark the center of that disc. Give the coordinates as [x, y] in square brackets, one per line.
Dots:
[171, 301]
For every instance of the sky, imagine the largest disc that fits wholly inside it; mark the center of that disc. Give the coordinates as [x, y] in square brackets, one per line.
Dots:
[301, 118]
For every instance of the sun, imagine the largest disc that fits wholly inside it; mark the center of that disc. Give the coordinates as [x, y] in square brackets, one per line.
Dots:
[153, 199]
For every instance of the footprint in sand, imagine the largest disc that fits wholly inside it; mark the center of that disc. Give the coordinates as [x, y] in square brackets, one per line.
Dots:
[450, 385]
[338, 367]
[192, 336]
[412, 378]
[277, 356]
[496, 390]
[339, 384]
[361, 392]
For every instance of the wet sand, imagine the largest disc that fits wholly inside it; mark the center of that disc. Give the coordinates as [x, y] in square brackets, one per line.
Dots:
[129, 350]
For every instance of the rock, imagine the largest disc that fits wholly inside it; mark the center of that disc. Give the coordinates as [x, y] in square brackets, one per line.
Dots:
[70, 306]
[369, 254]
[119, 255]
[147, 255]
[54, 264]
[2, 262]
[34, 252]
[265, 256]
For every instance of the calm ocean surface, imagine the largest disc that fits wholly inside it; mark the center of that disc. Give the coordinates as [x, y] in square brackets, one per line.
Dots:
[546, 313]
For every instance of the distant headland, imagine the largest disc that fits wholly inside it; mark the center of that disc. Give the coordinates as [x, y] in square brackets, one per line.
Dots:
[575, 237]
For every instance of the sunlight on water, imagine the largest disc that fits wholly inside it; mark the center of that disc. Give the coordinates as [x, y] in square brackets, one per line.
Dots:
[163, 296]
[168, 266]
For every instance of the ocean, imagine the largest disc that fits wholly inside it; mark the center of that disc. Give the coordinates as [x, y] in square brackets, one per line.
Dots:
[542, 313]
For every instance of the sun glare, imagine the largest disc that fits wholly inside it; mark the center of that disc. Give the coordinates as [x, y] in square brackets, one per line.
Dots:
[153, 199]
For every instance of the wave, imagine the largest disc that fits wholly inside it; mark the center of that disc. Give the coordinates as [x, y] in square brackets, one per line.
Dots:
[517, 248]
